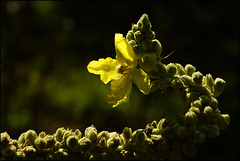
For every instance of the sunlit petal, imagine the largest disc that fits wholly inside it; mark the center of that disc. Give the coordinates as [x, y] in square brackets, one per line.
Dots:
[141, 79]
[124, 51]
[106, 68]
[120, 90]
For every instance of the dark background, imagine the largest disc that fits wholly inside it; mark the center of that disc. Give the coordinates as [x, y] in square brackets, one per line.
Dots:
[46, 46]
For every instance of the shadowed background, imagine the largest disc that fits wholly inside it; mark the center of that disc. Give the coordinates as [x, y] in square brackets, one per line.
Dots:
[46, 46]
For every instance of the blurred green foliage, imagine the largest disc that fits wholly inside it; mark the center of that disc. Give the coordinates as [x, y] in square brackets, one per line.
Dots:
[46, 46]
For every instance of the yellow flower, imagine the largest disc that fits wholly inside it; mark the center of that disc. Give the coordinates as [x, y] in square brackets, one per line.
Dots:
[121, 72]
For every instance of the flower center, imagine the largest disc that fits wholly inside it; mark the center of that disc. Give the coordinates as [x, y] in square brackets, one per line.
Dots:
[123, 69]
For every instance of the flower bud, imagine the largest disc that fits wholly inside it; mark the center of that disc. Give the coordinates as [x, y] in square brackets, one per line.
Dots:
[195, 110]
[213, 131]
[91, 133]
[59, 134]
[203, 128]
[223, 121]
[135, 28]
[21, 139]
[197, 103]
[192, 96]
[30, 151]
[14, 142]
[155, 131]
[8, 151]
[208, 111]
[114, 141]
[191, 118]
[127, 133]
[204, 99]
[141, 26]
[66, 135]
[219, 86]
[5, 139]
[56, 146]
[198, 137]
[103, 134]
[172, 69]
[180, 69]
[138, 36]
[187, 80]
[130, 35]
[189, 149]
[147, 62]
[30, 136]
[182, 132]
[209, 82]
[40, 143]
[42, 134]
[162, 124]
[190, 69]
[19, 155]
[72, 142]
[146, 45]
[78, 133]
[197, 78]
[103, 142]
[84, 143]
[213, 103]
[156, 47]
[177, 83]
[50, 139]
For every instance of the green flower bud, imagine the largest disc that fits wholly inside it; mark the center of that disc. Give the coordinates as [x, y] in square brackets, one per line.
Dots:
[40, 143]
[192, 96]
[62, 154]
[219, 86]
[146, 45]
[13, 142]
[19, 155]
[209, 82]
[167, 133]
[91, 133]
[66, 135]
[182, 132]
[187, 80]
[84, 143]
[198, 137]
[197, 78]
[139, 136]
[59, 134]
[195, 110]
[156, 138]
[30, 136]
[213, 103]
[204, 99]
[8, 151]
[56, 146]
[72, 142]
[130, 35]
[190, 69]
[172, 69]
[213, 131]
[189, 149]
[127, 133]
[103, 142]
[5, 139]
[42, 134]
[138, 36]
[78, 133]
[156, 47]
[180, 69]
[223, 121]
[177, 83]
[197, 103]
[103, 134]
[190, 118]
[141, 26]
[21, 139]
[114, 141]
[208, 111]
[162, 124]
[147, 62]
[135, 28]
[50, 139]
[30, 152]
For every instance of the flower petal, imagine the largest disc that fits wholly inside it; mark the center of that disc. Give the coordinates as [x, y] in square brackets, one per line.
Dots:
[141, 79]
[124, 51]
[106, 68]
[120, 90]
